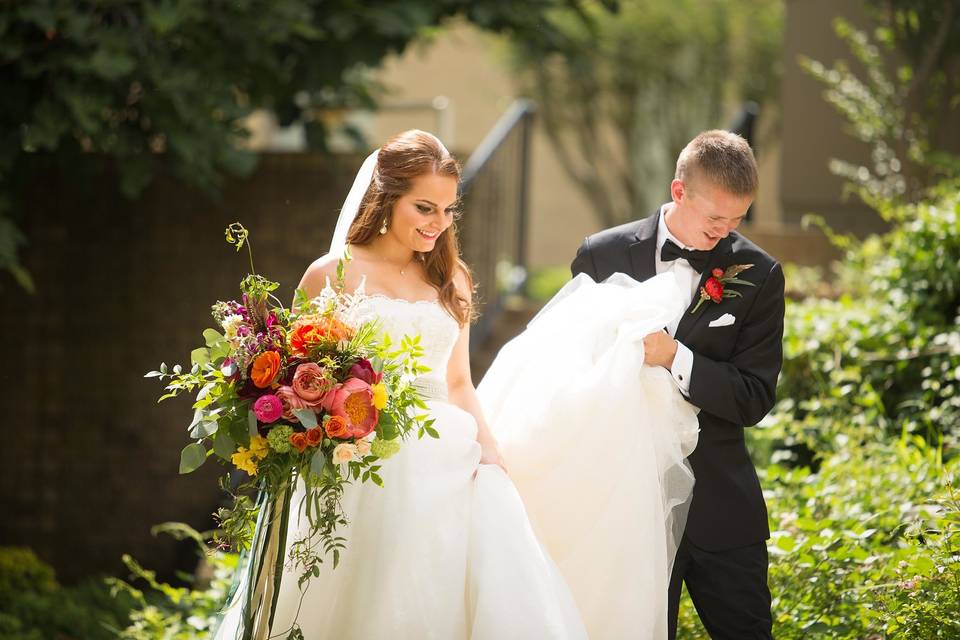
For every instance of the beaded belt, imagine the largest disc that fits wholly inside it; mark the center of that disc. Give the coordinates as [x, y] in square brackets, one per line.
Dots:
[431, 388]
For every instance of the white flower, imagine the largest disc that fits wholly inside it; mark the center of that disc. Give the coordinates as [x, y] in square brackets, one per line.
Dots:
[344, 452]
[230, 325]
[363, 447]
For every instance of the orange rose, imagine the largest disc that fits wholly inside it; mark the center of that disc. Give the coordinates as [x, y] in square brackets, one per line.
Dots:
[302, 337]
[314, 436]
[310, 331]
[299, 441]
[337, 427]
[265, 369]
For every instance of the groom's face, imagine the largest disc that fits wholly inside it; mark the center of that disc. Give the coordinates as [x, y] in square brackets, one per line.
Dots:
[705, 214]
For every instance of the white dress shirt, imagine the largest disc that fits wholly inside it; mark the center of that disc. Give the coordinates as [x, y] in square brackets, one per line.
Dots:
[683, 360]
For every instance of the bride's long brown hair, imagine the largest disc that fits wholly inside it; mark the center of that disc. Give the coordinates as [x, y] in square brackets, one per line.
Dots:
[406, 156]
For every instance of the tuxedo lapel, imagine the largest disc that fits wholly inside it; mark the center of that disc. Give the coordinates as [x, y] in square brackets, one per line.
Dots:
[643, 249]
[718, 258]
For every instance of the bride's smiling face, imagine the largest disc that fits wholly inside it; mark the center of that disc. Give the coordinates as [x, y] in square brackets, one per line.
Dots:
[424, 212]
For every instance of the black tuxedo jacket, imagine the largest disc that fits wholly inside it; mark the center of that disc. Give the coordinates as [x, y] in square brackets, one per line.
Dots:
[734, 375]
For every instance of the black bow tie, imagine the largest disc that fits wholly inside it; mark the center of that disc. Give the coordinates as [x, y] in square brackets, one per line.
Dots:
[696, 258]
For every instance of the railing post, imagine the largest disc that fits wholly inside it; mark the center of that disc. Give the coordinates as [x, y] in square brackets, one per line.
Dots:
[524, 195]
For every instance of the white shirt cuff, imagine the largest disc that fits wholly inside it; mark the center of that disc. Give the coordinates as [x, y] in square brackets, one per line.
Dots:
[682, 368]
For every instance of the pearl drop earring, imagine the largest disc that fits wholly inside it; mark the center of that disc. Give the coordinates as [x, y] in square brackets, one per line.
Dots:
[383, 227]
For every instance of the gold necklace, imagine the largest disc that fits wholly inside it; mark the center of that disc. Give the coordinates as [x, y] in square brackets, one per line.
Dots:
[403, 269]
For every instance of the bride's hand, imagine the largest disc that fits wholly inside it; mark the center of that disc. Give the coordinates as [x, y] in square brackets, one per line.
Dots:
[490, 454]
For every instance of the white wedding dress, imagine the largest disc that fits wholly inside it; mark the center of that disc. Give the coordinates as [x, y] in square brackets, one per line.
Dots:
[577, 542]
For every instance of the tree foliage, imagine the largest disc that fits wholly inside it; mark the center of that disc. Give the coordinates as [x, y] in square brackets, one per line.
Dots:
[904, 101]
[620, 93]
[165, 84]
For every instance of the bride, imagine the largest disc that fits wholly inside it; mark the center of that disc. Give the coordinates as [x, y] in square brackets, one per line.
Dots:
[578, 540]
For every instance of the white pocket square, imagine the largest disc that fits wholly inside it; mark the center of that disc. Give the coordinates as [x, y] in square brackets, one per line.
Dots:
[723, 321]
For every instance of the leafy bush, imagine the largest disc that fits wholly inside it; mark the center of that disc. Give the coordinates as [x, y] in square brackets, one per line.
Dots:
[883, 358]
[35, 607]
[847, 553]
[176, 613]
[866, 547]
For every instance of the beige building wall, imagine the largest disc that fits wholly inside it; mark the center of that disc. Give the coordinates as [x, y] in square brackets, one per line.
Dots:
[813, 133]
[464, 65]
[796, 138]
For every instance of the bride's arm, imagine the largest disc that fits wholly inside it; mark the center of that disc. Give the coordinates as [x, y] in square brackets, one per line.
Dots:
[464, 395]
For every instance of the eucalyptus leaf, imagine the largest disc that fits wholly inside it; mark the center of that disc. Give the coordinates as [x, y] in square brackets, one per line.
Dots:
[307, 417]
[192, 457]
[252, 423]
[224, 445]
[197, 417]
[317, 463]
[204, 429]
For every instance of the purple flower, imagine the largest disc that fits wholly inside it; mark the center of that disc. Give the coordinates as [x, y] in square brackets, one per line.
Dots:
[364, 371]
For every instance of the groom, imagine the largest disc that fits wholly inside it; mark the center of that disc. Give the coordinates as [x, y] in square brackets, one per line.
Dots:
[725, 357]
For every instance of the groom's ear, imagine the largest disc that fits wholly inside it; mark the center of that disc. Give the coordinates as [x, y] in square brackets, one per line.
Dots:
[678, 190]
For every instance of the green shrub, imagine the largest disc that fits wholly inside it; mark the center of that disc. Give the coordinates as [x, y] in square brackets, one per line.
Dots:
[884, 358]
[866, 547]
[842, 546]
[35, 607]
[176, 613]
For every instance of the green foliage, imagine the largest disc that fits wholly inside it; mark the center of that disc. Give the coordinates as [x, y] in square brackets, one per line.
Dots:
[545, 283]
[621, 92]
[166, 612]
[845, 542]
[166, 85]
[21, 571]
[907, 117]
[883, 358]
[34, 607]
[866, 545]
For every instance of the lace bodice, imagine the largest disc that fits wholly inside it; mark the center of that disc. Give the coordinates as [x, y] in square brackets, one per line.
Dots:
[438, 333]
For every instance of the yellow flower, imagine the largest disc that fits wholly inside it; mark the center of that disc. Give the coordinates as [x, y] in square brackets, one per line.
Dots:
[379, 395]
[259, 446]
[243, 460]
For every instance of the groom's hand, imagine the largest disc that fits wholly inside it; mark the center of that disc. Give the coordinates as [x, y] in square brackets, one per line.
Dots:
[659, 350]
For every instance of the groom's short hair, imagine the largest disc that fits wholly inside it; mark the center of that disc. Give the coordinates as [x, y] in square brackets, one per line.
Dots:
[723, 158]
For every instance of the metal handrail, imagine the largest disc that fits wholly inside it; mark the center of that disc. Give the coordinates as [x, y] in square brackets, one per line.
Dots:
[495, 194]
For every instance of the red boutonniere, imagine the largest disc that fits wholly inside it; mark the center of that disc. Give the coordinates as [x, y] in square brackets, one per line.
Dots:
[715, 288]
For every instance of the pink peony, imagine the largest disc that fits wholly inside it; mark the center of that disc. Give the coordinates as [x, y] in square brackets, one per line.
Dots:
[310, 382]
[268, 408]
[364, 370]
[291, 402]
[353, 401]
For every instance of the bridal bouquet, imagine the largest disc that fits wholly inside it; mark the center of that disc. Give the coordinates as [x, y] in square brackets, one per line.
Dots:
[310, 394]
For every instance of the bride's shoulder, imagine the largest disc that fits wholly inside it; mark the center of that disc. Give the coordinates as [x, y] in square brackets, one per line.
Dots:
[320, 271]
